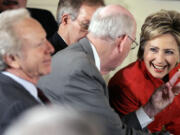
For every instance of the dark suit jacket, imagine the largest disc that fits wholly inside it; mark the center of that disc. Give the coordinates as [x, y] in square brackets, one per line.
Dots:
[46, 19]
[14, 99]
[57, 42]
[75, 80]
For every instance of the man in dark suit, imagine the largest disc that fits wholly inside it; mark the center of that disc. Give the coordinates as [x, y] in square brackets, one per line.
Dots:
[25, 55]
[76, 76]
[73, 17]
[45, 18]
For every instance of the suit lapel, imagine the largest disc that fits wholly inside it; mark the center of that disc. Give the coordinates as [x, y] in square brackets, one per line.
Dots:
[18, 87]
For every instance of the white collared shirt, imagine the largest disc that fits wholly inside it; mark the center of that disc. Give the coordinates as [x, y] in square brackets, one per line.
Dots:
[26, 84]
[96, 56]
[143, 118]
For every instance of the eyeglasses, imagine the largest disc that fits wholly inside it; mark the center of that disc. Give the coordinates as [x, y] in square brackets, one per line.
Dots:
[84, 25]
[134, 43]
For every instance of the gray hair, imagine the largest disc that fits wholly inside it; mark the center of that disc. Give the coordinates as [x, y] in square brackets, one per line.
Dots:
[53, 120]
[66, 10]
[110, 26]
[10, 44]
[72, 7]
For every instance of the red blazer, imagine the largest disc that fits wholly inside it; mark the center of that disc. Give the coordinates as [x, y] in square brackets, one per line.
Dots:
[132, 87]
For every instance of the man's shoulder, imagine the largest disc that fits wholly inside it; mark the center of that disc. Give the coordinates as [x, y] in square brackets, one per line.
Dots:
[12, 90]
[39, 10]
[5, 80]
[68, 67]
[73, 55]
[73, 60]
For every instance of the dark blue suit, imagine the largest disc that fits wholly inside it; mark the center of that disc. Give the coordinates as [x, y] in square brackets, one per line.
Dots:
[14, 99]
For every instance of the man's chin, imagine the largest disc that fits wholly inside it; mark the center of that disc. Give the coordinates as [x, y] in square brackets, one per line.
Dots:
[47, 71]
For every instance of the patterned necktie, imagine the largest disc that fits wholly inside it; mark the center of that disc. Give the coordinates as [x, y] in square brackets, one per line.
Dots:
[42, 97]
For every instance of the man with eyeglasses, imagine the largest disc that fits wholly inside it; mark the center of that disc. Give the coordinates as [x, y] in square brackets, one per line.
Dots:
[73, 17]
[76, 76]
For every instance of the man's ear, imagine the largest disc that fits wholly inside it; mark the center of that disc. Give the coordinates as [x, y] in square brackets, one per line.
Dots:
[121, 42]
[65, 18]
[11, 61]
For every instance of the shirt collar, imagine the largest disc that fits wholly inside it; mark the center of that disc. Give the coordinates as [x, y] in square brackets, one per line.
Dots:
[96, 56]
[27, 85]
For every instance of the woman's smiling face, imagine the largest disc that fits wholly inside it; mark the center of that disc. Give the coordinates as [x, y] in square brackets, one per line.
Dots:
[161, 54]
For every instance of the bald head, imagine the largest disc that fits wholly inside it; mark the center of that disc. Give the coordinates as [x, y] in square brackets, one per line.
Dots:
[112, 21]
[114, 9]
[109, 30]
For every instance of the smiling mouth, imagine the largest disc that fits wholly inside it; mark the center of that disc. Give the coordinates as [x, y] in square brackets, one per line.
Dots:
[10, 2]
[159, 68]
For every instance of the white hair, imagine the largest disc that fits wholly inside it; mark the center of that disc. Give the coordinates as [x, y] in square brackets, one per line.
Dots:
[10, 44]
[110, 26]
[52, 120]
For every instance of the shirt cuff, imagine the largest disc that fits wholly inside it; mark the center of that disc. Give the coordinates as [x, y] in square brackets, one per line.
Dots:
[143, 118]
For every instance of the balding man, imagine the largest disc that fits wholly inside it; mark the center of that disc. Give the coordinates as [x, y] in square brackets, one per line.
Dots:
[78, 81]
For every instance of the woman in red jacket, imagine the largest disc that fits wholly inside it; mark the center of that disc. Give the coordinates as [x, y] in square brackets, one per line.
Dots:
[158, 60]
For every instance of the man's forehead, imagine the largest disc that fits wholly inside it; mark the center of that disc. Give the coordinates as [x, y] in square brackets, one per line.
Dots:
[28, 26]
[24, 23]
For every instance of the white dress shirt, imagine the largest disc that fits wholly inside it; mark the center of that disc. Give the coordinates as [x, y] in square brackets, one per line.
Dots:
[143, 118]
[96, 57]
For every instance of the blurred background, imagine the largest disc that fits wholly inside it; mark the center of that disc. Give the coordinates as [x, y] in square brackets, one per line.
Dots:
[139, 8]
